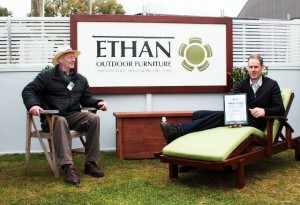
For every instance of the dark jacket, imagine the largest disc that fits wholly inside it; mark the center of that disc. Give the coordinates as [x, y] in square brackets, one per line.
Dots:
[268, 96]
[49, 91]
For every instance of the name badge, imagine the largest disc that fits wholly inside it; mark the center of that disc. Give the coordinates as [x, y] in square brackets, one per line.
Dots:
[70, 86]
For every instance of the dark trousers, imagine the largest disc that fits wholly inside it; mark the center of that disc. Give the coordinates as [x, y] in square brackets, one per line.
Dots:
[203, 120]
[206, 119]
[80, 121]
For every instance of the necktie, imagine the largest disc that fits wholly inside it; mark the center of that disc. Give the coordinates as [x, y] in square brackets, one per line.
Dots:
[255, 87]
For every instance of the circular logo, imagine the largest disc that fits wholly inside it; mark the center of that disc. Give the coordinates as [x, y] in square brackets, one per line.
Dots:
[195, 54]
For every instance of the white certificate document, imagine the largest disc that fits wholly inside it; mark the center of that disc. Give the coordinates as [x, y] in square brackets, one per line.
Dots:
[235, 109]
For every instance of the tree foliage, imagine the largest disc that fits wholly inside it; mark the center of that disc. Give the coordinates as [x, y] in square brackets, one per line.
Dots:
[5, 12]
[65, 8]
[36, 8]
[240, 73]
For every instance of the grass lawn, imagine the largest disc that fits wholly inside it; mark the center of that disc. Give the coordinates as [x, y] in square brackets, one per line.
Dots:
[275, 180]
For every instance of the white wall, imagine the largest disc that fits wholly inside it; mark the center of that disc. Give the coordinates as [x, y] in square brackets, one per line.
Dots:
[13, 113]
[279, 45]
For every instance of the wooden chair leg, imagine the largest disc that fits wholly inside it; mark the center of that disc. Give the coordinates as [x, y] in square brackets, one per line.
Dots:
[173, 170]
[28, 143]
[54, 160]
[51, 157]
[31, 126]
[50, 147]
[240, 175]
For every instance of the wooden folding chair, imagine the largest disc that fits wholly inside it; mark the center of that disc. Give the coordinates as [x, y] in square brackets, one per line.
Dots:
[33, 131]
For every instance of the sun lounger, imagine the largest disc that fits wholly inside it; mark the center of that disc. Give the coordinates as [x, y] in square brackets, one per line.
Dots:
[226, 148]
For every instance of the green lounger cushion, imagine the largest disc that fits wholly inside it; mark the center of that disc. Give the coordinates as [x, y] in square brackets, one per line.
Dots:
[210, 145]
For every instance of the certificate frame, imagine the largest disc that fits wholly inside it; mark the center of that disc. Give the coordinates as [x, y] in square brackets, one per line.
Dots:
[235, 109]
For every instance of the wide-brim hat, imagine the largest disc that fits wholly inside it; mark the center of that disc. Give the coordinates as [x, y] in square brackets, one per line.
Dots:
[61, 50]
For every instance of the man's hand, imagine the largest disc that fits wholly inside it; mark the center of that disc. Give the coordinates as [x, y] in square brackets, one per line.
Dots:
[102, 105]
[257, 112]
[35, 110]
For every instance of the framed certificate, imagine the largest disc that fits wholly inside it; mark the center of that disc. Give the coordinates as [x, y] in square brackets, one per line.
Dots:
[235, 109]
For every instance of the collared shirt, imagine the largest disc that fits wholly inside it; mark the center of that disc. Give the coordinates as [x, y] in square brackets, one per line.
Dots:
[69, 77]
[256, 85]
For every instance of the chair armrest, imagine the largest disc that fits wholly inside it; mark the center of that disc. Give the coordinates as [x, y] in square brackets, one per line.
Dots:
[48, 114]
[280, 118]
[45, 112]
[90, 109]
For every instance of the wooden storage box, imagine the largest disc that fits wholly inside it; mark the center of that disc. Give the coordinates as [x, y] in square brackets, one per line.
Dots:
[138, 134]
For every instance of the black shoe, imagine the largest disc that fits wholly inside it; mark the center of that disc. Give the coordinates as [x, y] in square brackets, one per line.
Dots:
[70, 174]
[170, 131]
[93, 169]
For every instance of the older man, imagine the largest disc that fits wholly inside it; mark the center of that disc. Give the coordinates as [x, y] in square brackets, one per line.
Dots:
[62, 88]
